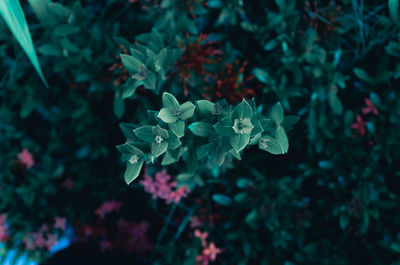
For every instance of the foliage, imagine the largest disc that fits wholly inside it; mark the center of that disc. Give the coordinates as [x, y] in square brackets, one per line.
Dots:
[172, 76]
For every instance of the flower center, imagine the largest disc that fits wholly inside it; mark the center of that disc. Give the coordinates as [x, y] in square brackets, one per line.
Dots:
[242, 126]
[134, 159]
[158, 139]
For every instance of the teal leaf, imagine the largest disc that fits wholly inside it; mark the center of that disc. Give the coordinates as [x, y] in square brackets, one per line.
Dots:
[282, 138]
[173, 141]
[239, 141]
[222, 199]
[150, 81]
[202, 129]
[271, 145]
[224, 127]
[277, 113]
[168, 159]
[158, 149]
[145, 133]
[169, 101]
[13, 15]
[205, 107]
[132, 171]
[167, 116]
[131, 63]
[129, 149]
[119, 107]
[394, 11]
[186, 110]
[178, 128]
[242, 111]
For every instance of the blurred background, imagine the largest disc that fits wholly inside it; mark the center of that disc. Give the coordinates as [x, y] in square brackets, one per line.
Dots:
[66, 101]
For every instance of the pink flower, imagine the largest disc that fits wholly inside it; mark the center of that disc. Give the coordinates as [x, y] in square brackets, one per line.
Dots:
[176, 196]
[3, 228]
[133, 1]
[162, 187]
[195, 222]
[369, 108]
[26, 159]
[60, 223]
[51, 240]
[359, 125]
[108, 207]
[68, 184]
[202, 236]
[212, 251]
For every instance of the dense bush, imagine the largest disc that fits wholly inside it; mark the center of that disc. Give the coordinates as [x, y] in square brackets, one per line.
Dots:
[163, 93]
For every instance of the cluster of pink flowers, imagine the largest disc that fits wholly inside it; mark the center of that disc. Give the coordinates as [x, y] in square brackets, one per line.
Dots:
[44, 238]
[108, 207]
[162, 187]
[360, 125]
[210, 251]
[26, 159]
[3, 228]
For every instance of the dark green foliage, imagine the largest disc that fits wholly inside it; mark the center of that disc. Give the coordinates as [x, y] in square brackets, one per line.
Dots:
[333, 66]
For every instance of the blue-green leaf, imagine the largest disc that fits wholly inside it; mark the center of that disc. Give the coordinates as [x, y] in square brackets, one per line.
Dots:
[12, 13]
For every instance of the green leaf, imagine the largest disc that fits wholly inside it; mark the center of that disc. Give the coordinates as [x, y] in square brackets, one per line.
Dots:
[150, 81]
[168, 159]
[186, 110]
[65, 30]
[204, 150]
[167, 116]
[157, 130]
[13, 15]
[169, 101]
[158, 149]
[261, 75]
[282, 138]
[178, 128]
[173, 141]
[119, 107]
[222, 199]
[271, 145]
[239, 141]
[131, 63]
[202, 129]
[50, 50]
[277, 113]
[132, 171]
[224, 127]
[145, 133]
[59, 9]
[289, 121]
[205, 107]
[242, 111]
[335, 103]
[394, 11]
[129, 149]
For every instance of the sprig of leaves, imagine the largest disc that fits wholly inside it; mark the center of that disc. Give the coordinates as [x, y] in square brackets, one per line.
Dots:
[201, 133]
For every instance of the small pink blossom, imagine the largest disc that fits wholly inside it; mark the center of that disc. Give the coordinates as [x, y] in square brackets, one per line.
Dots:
[202, 237]
[359, 125]
[68, 184]
[176, 196]
[162, 187]
[209, 254]
[133, 1]
[26, 159]
[51, 240]
[108, 207]
[195, 222]
[3, 228]
[369, 108]
[60, 223]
